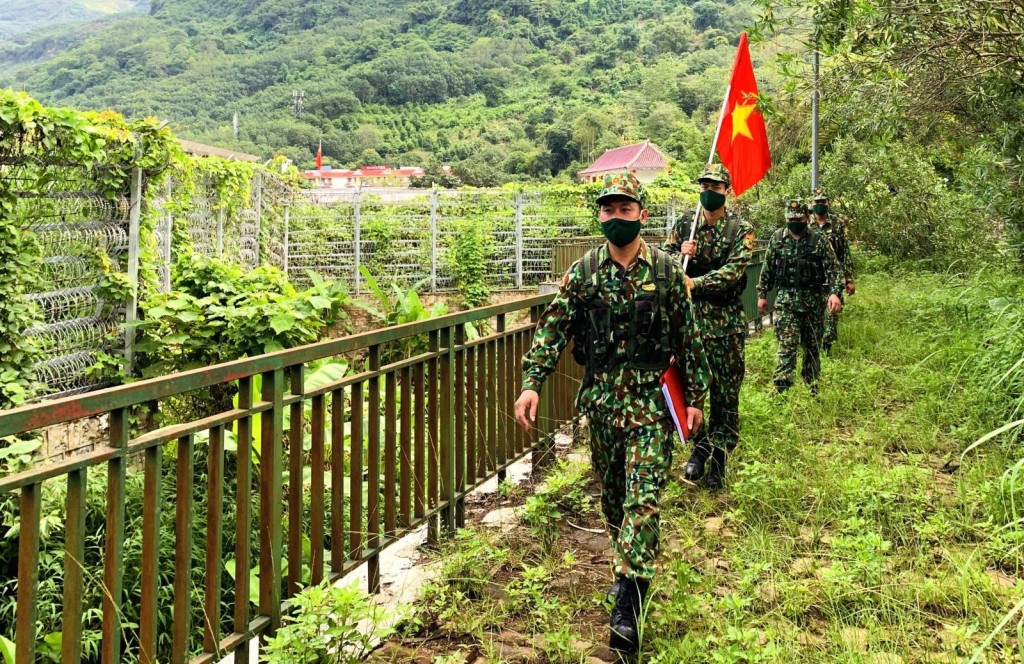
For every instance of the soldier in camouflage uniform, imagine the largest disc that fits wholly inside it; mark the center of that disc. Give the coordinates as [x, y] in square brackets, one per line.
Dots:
[834, 229]
[717, 275]
[626, 308]
[801, 265]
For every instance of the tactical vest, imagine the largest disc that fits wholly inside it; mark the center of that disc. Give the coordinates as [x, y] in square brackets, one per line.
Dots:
[644, 325]
[735, 291]
[805, 270]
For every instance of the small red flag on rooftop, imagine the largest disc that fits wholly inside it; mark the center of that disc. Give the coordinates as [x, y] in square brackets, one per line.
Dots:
[320, 156]
[743, 141]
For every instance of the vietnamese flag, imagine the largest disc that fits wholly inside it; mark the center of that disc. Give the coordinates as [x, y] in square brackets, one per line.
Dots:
[742, 141]
[320, 156]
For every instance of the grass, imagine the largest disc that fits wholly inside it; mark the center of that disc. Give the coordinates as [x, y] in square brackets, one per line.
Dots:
[853, 528]
[851, 532]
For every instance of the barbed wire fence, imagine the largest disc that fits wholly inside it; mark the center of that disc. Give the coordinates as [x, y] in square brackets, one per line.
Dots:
[77, 229]
[401, 237]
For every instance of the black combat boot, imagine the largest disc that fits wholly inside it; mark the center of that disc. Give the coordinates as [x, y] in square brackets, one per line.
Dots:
[782, 385]
[694, 469]
[716, 474]
[626, 616]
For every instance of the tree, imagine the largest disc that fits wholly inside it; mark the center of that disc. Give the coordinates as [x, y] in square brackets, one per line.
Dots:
[706, 14]
[369, 157]
[912, 69]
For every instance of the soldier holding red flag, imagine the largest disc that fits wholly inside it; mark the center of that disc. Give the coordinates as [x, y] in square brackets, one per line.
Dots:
[715, 260]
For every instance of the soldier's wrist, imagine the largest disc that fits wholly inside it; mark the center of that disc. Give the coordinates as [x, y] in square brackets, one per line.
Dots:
[532, 384]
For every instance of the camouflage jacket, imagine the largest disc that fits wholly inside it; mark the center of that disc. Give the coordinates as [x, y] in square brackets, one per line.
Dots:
[624, 398]
[834, 229]
[785, 248]
[716, 317]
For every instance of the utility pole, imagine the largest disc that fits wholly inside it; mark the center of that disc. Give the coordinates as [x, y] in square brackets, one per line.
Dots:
[297, 98]
[814, 116]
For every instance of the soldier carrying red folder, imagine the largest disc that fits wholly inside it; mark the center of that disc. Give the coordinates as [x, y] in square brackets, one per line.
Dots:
[626, 306]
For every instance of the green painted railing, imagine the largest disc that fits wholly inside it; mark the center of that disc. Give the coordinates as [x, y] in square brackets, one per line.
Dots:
[437, 424]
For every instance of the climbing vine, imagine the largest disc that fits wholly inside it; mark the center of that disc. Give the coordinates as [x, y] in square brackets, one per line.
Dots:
[39, 145]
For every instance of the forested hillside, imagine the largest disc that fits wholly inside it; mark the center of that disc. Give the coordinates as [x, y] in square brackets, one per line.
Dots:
[513, 88]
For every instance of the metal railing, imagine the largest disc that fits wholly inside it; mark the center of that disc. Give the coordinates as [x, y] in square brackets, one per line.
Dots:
[399, 442]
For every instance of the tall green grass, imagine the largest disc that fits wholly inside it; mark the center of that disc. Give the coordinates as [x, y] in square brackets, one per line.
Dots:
[865, 525]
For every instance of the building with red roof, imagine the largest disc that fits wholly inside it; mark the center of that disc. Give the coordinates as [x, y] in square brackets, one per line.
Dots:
[368, 176]
[644, 158]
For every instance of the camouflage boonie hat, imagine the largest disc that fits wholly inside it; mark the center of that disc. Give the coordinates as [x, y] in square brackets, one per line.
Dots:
[623, 184]
[795, 208]
[716, 173]
[819, 195]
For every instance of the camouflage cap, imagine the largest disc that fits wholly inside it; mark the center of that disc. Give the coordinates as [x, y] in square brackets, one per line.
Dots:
[716, 173]
[623, 184]
[795, 208]
[819, 195]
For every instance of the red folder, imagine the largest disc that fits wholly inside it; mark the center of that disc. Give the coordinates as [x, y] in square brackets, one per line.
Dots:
[674, 388]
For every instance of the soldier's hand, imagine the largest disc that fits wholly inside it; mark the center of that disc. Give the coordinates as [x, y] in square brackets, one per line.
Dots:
[694, 418]
[689, 248]
[527, 404]
[850, 288]
[689, 283]
[835, 305]
[762, 307]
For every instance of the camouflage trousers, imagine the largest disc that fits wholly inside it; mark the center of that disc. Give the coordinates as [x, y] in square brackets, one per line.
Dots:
[797, 330]
[633, 467]
[831, 333]
[726, 358]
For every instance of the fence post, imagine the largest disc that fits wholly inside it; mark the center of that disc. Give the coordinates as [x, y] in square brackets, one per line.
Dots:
[433, 240]
[134, 215]
[168, 240]
[446, 444]
[356, 237]
[220, 233]
[519, 241]
[284, 249]
[271, 510]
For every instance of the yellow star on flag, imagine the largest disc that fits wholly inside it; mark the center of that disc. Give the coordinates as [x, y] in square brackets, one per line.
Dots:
[740, 113]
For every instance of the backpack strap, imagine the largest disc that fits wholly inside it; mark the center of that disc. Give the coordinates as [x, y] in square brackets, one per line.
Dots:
[589, 267]
[732, 231]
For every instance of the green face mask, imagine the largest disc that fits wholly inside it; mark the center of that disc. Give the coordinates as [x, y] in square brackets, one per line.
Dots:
[820, 209]
[796, 227]
[621, 232]
[711, 200]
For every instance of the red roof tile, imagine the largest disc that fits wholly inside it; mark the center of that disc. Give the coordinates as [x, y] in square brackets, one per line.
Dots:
[641, 155]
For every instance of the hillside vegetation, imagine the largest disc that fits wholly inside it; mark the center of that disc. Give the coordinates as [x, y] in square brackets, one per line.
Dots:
[515, 88]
